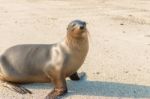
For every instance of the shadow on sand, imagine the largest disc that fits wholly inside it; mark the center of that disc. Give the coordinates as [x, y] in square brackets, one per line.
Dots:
[98, 88]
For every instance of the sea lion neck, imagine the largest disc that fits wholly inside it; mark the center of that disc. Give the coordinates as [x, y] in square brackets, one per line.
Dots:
[78, 43]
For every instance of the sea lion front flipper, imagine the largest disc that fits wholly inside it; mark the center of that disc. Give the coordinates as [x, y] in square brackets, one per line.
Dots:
[76, 76]
[16, 88]
[60, 86]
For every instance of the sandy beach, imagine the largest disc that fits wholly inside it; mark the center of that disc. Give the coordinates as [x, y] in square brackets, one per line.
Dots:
[118, 62]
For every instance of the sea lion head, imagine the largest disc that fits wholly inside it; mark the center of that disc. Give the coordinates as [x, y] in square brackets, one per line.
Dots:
[77, 29]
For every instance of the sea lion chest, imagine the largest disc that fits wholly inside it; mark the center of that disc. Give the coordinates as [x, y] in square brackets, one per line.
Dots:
[74, 59]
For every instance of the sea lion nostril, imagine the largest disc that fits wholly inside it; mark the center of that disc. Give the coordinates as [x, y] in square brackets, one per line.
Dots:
[81, 27]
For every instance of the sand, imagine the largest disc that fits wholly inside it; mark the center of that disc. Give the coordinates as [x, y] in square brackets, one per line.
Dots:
[118, 63]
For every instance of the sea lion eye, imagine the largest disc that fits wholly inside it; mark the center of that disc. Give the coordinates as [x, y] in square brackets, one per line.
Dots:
[84, 23]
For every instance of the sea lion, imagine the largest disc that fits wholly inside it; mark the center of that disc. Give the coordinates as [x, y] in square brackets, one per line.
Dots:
[46, 62]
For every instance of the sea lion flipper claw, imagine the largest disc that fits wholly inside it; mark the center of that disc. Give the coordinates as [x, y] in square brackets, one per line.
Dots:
[16, 88]
[56, 93]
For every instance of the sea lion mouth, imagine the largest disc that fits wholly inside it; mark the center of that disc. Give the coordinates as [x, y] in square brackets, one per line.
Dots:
[81, 28]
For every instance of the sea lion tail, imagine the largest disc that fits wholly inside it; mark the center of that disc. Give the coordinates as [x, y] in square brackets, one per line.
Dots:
[15, 88]
[9, 85]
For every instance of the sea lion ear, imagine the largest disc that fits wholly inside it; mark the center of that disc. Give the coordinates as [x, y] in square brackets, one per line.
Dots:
[67, 28]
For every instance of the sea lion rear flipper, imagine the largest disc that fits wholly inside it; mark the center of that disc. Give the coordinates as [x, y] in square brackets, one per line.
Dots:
[76, 76]
[16, 88]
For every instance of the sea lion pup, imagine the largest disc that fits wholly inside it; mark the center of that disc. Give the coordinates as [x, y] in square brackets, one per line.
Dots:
[46, 62]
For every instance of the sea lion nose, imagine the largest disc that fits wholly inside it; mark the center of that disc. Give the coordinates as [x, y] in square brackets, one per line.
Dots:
[81, 27]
